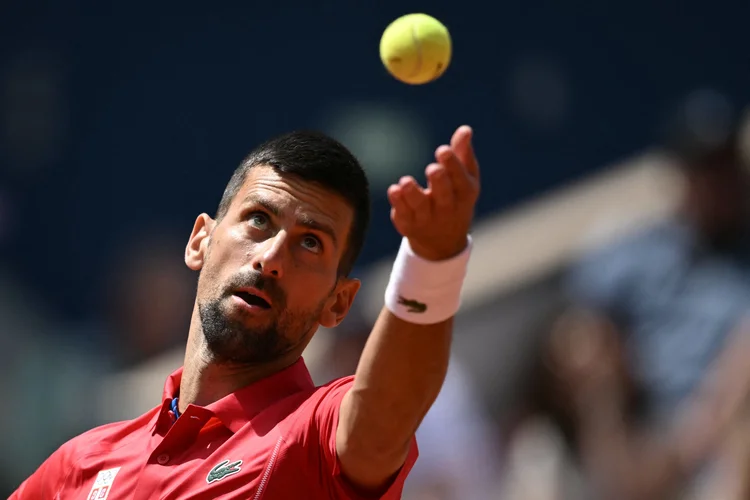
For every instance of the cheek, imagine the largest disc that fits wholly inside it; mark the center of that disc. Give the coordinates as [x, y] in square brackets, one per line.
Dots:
[210, 278]
[225, 251]
[206, 282]
[308, 286]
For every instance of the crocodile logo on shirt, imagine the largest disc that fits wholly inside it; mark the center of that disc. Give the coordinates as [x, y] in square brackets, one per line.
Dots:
[222, 470]
[412, 305]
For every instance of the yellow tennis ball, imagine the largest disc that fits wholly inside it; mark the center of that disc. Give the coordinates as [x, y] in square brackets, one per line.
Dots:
[416, 48]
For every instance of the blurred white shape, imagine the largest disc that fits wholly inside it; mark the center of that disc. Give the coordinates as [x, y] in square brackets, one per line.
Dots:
[539, 92]
[389, 141]
[708, 116]
[33, 109]
[539, 465]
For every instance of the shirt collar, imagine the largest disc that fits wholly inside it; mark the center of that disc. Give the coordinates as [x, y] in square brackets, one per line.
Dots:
[236, 409]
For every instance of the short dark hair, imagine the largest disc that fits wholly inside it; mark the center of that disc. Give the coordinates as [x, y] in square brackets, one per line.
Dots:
[313, 157]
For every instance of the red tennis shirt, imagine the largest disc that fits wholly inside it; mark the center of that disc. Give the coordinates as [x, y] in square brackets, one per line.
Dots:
[272, 440]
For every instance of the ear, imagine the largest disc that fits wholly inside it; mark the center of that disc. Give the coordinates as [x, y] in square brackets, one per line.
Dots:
[197, 246]
[339, 303]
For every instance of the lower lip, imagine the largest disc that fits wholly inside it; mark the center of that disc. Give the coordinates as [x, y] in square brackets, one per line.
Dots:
[248, 307]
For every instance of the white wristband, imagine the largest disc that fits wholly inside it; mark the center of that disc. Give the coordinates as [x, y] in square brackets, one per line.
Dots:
[424, 291]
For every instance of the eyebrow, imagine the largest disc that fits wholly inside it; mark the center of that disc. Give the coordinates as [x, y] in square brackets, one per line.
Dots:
[263, 202]
[318, 226]
[303, 220]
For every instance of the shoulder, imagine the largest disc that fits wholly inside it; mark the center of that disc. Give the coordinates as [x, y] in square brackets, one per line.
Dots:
[312, 416]
[311, 439]
[101, 440]
[321, 402]
[64, 465]
[333, 389]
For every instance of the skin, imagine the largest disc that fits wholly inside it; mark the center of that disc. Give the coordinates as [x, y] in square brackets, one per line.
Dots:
[287, 236]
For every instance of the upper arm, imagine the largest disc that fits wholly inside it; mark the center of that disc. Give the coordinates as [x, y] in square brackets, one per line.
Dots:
[340, 483]
[46, 480]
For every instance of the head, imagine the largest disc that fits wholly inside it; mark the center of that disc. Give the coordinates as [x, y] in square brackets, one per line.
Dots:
[275, 260]
[708, 153]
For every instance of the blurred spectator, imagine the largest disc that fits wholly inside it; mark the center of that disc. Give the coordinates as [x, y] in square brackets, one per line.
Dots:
[148, 297]
[458, 457]
[678, 296]
[578, 379]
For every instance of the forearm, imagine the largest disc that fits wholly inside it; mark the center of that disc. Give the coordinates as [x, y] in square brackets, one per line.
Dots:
[625, 463]
[637, 471]
[405, 360]
[406, 357]
[716, 403]
[399, 376]
[403, 364]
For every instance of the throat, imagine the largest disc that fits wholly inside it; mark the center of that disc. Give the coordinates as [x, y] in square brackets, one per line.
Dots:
[204, 382]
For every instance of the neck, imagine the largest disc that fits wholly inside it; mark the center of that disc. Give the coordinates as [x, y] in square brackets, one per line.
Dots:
[205, 381]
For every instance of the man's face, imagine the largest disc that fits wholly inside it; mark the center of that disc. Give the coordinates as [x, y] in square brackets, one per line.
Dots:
[269, 268]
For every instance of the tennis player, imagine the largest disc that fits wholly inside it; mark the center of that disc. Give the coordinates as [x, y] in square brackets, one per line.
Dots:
[242, 418]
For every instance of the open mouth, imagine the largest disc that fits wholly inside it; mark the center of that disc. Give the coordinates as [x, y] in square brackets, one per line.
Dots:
[253, 300]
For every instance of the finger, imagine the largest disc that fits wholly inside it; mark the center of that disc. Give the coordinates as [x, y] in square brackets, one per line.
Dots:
[415, 197]
[463, 148]
[440, 186]
[401, 209]
[459, 176]
[401, 213]
[397, 222]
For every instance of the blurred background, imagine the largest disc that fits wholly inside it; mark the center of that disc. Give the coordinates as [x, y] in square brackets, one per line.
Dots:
[602, 349]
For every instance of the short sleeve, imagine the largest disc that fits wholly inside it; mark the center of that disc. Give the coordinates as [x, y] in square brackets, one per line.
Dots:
[326, 421]
[47, 480]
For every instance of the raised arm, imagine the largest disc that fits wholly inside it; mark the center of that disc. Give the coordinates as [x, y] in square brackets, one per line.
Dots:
[404, 362]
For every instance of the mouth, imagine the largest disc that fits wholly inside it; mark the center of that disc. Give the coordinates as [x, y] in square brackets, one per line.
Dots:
[253, 297]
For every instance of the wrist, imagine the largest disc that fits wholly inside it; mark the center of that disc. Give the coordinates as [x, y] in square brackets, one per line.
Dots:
[425, 291]
[444, 251]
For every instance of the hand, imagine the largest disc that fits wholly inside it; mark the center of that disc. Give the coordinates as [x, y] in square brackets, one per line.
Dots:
[436, 219]
[584, 352]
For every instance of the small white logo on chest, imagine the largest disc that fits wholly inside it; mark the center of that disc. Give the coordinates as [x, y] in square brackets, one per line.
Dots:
[103, 484]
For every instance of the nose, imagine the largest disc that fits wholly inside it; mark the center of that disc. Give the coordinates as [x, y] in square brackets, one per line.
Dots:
[269, 255]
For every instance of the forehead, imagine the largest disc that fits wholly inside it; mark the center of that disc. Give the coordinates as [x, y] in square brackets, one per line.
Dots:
[296, 196]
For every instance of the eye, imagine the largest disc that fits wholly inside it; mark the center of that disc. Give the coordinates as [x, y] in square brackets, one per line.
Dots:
[259, 220]
[312, 243]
